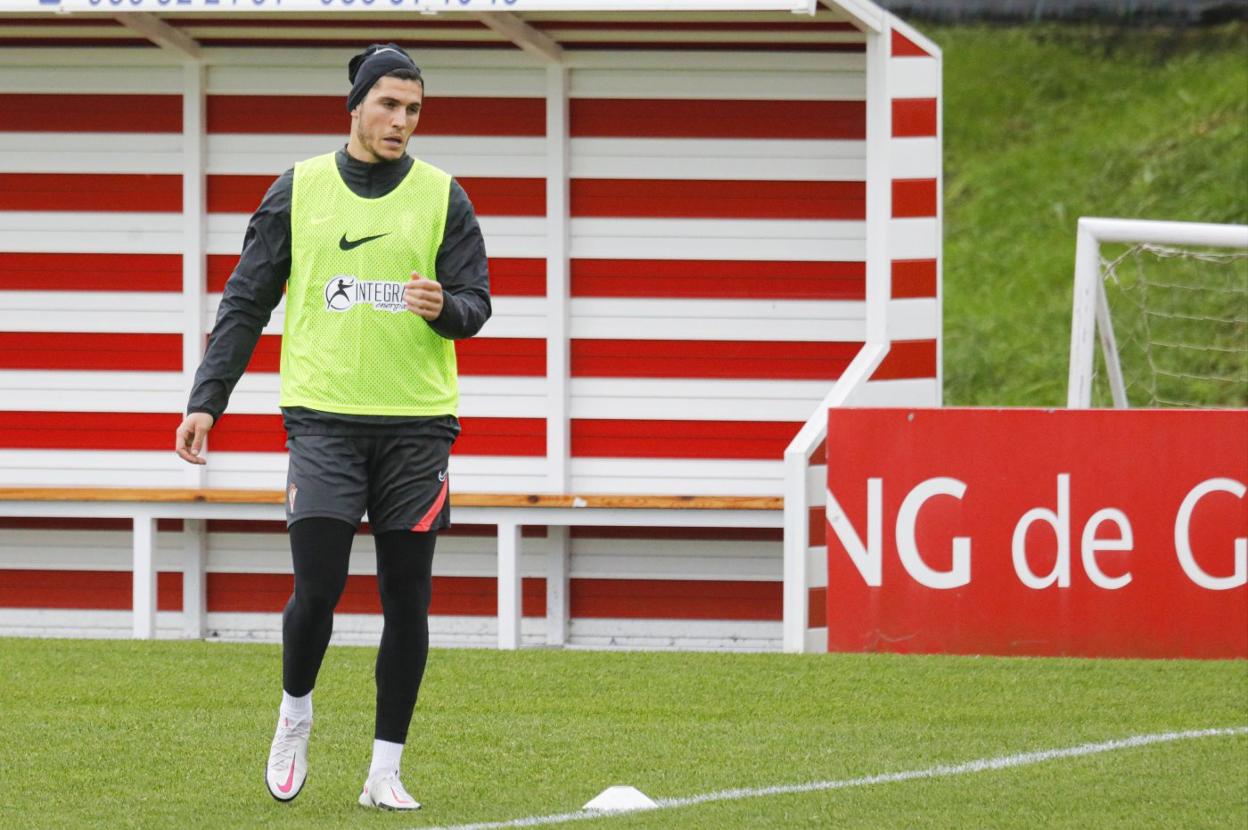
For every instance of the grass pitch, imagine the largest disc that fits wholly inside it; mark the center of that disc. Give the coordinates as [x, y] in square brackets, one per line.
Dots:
[126, 734]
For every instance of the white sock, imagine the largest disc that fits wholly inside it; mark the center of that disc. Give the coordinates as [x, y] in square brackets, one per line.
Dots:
[296, 708]
[386, 757]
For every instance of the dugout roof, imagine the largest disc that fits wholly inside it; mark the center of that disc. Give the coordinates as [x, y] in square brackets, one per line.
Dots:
[546, 28]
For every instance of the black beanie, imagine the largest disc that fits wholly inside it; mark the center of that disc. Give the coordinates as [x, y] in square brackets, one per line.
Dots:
[371, 64]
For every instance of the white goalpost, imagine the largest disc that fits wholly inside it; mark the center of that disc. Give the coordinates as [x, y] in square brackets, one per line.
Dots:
[1192, 323]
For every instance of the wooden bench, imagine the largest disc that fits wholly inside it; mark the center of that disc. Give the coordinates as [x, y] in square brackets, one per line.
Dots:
[509, 512]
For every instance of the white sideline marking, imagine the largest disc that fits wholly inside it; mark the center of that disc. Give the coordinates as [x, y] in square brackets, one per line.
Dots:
[980, 765]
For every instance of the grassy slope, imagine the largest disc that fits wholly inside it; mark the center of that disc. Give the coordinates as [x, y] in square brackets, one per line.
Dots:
[124, 734]
[1047, 124]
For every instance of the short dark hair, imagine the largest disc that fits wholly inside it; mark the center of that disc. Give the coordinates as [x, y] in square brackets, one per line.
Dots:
[405, 74]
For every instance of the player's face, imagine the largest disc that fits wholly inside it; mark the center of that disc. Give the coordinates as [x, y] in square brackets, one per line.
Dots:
[384, 121]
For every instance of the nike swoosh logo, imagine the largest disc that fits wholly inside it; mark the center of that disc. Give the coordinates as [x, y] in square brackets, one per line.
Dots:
[347, 245]
[398, 798]
[290, 779]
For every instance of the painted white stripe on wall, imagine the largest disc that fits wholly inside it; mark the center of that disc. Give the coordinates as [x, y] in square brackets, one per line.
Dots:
[762, 85]
[914, 158]
[105, 77]
[741, 63]
[749, 561]
[913, 319]
[270, 155]
[47, 391]
[505, 236]
[68, 468]
[677, 476]
[512, 317]
[718, 159]
[322, 74]
[694, 399]
[817, 567]
[911, 392]
[727, 239]
[479, 396]
[90, 153]
[102, 311]
[913, 238]
[776, 320]
[101, 233]
[914, 78]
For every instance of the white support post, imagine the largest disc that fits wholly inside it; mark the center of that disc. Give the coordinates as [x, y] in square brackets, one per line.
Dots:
[194, 585]
[144, 599]
[879, 186]
[558, 233]
[509, 595]
[557, 585]
[193, 233]
[1083, 318]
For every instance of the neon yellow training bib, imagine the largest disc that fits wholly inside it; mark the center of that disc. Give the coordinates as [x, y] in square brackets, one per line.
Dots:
[348, 344]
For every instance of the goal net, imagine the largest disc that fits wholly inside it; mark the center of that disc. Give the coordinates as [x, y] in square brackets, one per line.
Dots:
[1168, 302]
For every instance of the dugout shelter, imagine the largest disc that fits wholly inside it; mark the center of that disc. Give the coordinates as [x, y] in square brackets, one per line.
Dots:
[707, 222]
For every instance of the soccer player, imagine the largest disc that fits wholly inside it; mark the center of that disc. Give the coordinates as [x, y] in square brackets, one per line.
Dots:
[384, 266]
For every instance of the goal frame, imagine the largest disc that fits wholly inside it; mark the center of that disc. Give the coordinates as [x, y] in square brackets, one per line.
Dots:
[1090, 308]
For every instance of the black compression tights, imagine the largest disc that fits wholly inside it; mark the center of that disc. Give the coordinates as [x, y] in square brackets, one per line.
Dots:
[321, 549]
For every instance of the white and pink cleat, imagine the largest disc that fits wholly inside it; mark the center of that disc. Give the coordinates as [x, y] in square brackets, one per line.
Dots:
[288, 758]
[386, 792]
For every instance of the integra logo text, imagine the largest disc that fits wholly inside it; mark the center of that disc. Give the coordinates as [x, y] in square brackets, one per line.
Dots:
[343, 292]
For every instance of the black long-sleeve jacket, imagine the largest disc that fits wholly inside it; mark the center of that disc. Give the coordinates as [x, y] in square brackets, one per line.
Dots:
[255, 288]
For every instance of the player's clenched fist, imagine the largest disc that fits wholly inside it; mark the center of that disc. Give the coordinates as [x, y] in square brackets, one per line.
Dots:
[190, 437]
[423, 296]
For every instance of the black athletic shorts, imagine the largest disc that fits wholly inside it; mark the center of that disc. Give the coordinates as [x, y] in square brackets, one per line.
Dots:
[401, 480]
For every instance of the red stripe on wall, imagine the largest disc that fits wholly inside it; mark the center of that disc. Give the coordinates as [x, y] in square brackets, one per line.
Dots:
[517, 277]
[113, 192]
[457, 596]
[90, 272]
[690, 26]
[817, 526]
[94, 590]
[711, 199]
[31, 112]
[914, 117]
[91, 351]
[68, 523]
[490, 196]
[740, 359]
[904, 47]
[510, 356]
[719, 279]
[87, 430]
[662, 118]
[327, 115]
[506, 197]
[908, 359]
[681, 439]
[480, 436]
[816, 607]
[914, 198]
[676, 599]
[236, 194]
[219, 268]
[234, 433]
[509, 277]
[914, 278]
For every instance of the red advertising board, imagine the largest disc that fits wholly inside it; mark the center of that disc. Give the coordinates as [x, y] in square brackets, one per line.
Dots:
[1106, 533]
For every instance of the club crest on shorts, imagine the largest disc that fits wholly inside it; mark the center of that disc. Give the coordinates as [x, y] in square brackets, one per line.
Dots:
[291, 492]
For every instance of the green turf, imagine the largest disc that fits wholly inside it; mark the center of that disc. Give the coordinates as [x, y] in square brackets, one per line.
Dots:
[125, 734]
[1044, 124]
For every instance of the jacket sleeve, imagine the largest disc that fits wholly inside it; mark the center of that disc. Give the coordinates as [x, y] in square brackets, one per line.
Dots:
[463, 271]
[252, 292]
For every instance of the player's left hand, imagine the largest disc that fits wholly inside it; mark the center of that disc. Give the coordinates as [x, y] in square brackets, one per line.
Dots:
[423, 296]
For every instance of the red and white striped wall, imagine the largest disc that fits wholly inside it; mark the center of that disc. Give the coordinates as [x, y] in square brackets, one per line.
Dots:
[679, 245]
[903, 301]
